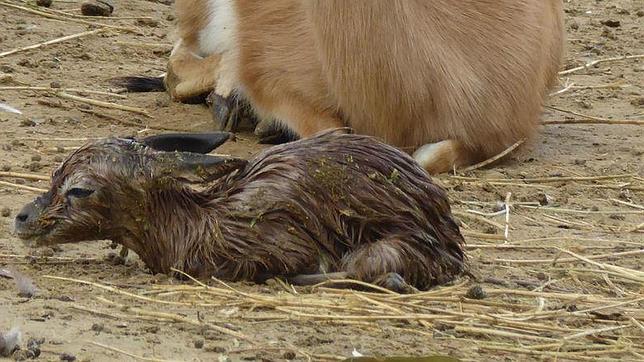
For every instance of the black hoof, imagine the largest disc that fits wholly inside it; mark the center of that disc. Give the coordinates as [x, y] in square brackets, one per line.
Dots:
[124, 252]
[395, 282]
[272, 133]
[223, 112]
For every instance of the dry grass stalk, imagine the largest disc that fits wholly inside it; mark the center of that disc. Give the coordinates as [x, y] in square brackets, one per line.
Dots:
[636, 122]
[23, 187]
[47, 258]
[637, 228]
[495, 158]
[507, 216]
[590, 119]
[629, 204]
[570, 260]
[176, 318]
[572, 211]
[53, 41]
[98, 103]
[599, 61]
[478, 218]
[548, 179]
[71, 90]
[118, 291]
[98, 17]
[26, 176]
[65, 18]
[482, 236]
[491, 319]
[500, 333]
[636, 275]
[136, 357]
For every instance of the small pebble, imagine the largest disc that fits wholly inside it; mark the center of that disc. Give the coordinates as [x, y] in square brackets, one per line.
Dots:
[27, 123]
[612, 23]
[152, 23]
[6, 212]
[33, 346]
[36, 157]
[67, 357]
[476, 292]
[638, 102]
[289, 355]
[55, 84]
[45, 3]
[35, 166]
[216, 349]
[97, 8]
[23, 355]
[152, 329]
[199, 343]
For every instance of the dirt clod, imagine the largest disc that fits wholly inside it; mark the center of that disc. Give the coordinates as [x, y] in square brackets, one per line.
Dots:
[289, 355]
[5, 212]
[45, 3]
[68, 357]
[476, 292]
[97, 8]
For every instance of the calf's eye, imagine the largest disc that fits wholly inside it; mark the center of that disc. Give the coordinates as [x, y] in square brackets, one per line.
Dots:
[79, 193]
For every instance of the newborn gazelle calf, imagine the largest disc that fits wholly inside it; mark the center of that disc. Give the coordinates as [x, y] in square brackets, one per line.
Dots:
[337, 204]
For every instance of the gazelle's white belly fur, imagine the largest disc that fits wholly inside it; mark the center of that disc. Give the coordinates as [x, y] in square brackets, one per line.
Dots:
[219, 36]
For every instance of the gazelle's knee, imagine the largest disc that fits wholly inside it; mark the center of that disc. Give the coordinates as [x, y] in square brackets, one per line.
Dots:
[442, 156]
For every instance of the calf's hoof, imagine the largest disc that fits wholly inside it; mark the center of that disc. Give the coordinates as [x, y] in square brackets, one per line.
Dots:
[394, 282]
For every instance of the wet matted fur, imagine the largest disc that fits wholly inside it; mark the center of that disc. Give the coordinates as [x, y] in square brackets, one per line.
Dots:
[333, 202]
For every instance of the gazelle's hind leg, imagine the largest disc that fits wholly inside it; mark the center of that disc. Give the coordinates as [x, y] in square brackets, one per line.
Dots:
[390, 263]
[444, 156]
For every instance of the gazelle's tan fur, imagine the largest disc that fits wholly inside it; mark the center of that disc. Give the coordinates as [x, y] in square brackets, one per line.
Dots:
[454, 81]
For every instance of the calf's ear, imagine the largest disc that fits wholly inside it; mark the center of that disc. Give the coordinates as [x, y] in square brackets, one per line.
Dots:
[200, 143]
[195, 167]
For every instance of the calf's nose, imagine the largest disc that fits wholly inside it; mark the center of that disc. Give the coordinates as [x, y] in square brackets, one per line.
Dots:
[25, 216]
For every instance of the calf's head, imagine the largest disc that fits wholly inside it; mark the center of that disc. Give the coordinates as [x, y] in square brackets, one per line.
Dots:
[100, 186]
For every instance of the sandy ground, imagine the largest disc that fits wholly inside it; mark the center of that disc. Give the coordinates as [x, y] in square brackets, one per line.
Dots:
[587, 216]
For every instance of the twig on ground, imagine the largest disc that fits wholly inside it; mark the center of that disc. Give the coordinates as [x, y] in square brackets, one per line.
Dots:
[71, 90]
[53, 41]
[98, 103]
[23, 187]
[65, 18]
[114, 349]
[599, 61]
[496, 157]
[27, 176]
